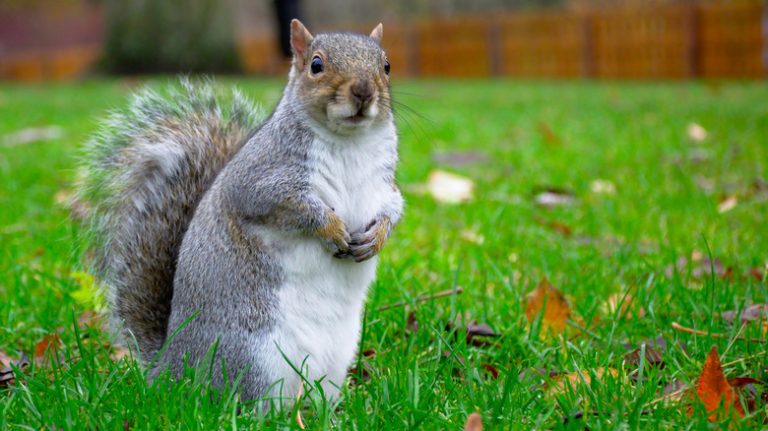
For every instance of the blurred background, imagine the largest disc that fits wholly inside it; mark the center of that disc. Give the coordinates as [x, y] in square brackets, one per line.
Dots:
[641, 39]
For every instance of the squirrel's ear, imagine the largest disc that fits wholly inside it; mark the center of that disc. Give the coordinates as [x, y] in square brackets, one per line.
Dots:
[300, 40]
[377, 33]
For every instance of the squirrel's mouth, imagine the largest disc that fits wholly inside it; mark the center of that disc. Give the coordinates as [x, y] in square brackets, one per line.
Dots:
[358, 117]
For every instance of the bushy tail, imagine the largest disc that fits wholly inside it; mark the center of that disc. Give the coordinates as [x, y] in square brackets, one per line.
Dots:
[144, 174]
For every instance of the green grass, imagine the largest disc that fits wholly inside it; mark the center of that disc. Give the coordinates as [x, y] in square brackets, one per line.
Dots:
[631, 134]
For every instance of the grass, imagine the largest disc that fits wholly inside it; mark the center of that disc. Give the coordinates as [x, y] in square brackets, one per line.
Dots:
[631, 134]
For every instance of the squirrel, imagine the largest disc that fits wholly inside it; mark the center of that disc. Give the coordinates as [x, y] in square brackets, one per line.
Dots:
[259, 239]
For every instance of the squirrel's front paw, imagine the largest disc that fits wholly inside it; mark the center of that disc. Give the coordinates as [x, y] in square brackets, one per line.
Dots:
[366, 244]
[334, 233]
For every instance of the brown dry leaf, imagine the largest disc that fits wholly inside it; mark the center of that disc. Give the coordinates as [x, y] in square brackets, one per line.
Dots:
[556, 226]
[49, 343]
[552, 301]
[449, 188]
[726, 204]
[574, 380]
[713, 389]
[626, 306]
[757, 273]
[474, 423]
[492, 370]
[412, 325]
[550, 137]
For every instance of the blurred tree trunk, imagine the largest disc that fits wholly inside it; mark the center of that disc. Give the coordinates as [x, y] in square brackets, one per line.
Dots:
[170, 36]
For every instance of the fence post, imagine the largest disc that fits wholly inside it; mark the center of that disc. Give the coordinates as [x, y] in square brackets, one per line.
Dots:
[694, 53]
[494, 46]
[588, 50]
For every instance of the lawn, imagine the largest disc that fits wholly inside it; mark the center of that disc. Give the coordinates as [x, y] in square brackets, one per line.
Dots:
[641, 203]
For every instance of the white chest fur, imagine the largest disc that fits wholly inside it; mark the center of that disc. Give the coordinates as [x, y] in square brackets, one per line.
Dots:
[321, 298]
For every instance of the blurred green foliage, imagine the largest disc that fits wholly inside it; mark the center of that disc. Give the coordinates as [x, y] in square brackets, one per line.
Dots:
[150, 36]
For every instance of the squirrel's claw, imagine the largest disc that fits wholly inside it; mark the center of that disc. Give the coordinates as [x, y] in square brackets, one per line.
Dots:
[365, 245]
[334, 233]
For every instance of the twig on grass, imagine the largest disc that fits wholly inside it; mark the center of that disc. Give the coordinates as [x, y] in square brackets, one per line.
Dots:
[682, 328]
[423, 298]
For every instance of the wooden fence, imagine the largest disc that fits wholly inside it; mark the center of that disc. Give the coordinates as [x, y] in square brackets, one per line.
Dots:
[709, 40]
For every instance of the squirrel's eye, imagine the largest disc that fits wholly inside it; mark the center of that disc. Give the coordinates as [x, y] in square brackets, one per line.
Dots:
[386, 67]
[317, 65]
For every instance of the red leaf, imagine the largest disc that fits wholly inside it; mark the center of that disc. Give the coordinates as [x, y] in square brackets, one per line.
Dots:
[713, 389]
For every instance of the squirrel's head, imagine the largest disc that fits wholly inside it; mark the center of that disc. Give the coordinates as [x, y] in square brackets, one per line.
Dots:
[341, 79]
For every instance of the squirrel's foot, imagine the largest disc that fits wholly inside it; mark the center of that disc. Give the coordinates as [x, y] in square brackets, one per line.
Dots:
[334, 233]
[366, 244]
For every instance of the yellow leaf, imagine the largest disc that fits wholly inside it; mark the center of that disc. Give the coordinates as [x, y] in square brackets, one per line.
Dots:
[575, 379]
[556, 308]
[88, 294]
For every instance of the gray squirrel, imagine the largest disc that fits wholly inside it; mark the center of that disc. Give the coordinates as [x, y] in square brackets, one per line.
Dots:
[211, 228]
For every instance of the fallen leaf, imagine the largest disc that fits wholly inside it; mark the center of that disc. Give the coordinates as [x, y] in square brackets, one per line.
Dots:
[446, 187]
[474, 333]
[575, 379]
[675, 390]
[33, 134]
[49, 344]
[537, 375]
[713, 389]
[4, 359]
[696, 132]
[460, 158]
[705, 184]
[89, 293]
[748, 314]
[493, 371]
[625, 305]
[7, 376]
[412, 325]
[652, 356]
[757, 273]
[478, 330]
[727, 204]
[555, 308]
[369, 353]
[700, 267]
[358, 376]
[600, 187]
[474, 423]
[553, 197]
[748, 393]
[550, 137]
[472, 236]
[561, 228]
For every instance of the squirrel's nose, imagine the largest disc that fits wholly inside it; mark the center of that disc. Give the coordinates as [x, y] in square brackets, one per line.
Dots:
[362, 92]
